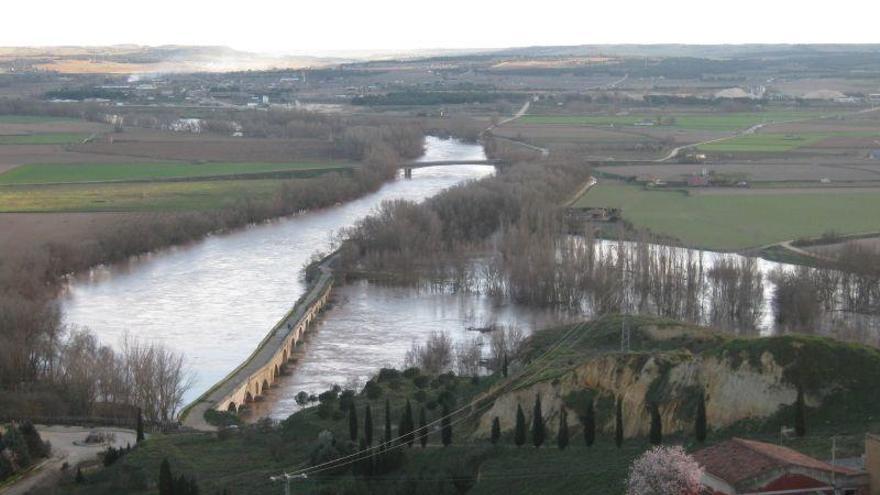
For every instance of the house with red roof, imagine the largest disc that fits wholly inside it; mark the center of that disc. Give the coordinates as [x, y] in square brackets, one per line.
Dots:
[747, 467]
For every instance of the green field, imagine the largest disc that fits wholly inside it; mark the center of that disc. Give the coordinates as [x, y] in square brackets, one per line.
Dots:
[709, 122]
[45, 138]
[120, 172]
[31, 119]
[738, 221]
[151, 196]
[774, 142]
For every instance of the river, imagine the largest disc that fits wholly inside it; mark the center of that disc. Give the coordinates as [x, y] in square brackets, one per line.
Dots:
[214, 300]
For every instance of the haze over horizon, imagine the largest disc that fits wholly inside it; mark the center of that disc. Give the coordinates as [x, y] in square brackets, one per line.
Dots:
[394, 25]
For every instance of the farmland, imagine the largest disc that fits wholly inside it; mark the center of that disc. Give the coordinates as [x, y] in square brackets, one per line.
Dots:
[693, 121]
[31, 119]
[47, 138]
[103, 172]
[739, 221]
[121, 197]
[774, 142]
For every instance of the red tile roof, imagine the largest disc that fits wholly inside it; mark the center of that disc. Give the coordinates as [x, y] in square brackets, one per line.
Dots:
[737, 460]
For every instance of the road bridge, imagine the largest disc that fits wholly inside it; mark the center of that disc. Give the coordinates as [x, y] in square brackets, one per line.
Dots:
[409, 166]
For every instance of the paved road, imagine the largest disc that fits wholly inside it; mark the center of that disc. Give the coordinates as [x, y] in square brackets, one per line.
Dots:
[64, 440]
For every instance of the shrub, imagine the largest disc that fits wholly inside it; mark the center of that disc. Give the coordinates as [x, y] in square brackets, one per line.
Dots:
[412, 373]
[388, 374]
[373, 390]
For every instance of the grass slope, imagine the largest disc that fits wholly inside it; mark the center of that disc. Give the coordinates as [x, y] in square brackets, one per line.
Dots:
[738, 221]
[242, 461]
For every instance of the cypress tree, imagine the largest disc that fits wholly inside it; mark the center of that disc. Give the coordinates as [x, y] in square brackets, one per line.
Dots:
[562, 436]
[368, 425]
[446, 427]
[700, 428]
[504, 365]
[589, 421]
[166, 480]
[423, 427]
[181, 486]
[140, 426]
[496, 431]
[800, 420]
[618, 423]
[519, 434]
[405, 428]
[656, 434]
[387, 421]
[537, 423]
[353, 423]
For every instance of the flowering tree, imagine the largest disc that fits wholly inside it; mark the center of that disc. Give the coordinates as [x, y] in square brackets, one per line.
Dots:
[664, 471]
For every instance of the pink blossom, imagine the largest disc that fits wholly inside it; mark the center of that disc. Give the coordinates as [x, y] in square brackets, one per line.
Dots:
[664, 471]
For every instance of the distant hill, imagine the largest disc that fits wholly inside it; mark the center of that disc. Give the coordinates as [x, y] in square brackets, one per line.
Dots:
[135, 59]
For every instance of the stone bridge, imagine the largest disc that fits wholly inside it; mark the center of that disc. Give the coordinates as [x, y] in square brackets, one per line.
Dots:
[264, 366]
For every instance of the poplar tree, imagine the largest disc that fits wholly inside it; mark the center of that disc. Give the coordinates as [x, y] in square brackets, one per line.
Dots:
[656, 435]
[519, 434]
[496, 431]
[618, 423]
[166, 479]
[700, 428]
[140, 426]
[387, 421]
[353, 423]
[368, 425]
[446, 427]
[405, 428]
[800, 420]
[589, 421]
[537, 423]
[562, 436]
[423, 427]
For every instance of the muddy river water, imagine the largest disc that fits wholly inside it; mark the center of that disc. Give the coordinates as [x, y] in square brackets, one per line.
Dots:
[214, 300]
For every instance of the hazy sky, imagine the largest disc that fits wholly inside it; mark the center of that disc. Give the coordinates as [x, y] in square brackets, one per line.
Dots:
[297, 26]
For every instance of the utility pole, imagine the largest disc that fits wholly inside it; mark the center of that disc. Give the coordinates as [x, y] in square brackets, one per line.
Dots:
[286, 479]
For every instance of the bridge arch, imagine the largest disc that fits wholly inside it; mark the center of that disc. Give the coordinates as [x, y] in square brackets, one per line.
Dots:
[231, 407]
[265, 387]
[276, 372]
[248, 398]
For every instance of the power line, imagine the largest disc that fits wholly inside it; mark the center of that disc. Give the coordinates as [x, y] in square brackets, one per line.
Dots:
[396, 442]
[286, 479]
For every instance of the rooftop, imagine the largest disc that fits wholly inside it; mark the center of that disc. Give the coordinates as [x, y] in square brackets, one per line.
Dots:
[737, 460]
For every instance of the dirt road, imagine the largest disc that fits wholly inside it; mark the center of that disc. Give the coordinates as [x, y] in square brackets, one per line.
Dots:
[66, 447]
